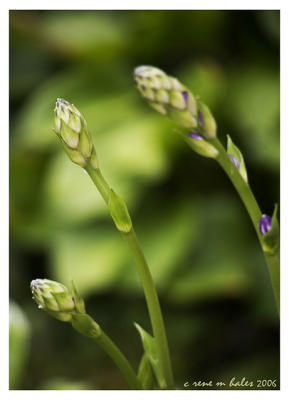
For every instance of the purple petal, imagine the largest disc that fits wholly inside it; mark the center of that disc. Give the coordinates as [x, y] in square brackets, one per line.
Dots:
[264, 224]
[200, 118]
[234, 161]
[195, 136]
[185, 96]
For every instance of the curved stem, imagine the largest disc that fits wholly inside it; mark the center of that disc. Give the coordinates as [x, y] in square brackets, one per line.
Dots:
[119, 359]
[147, 283]
[254, 212]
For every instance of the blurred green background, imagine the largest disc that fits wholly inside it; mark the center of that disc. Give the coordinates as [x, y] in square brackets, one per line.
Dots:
[211, 275]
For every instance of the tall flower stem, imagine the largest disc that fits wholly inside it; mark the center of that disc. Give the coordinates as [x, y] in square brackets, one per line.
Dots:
[119, 359]
[147, 283]
[254, 212]
[153, 306]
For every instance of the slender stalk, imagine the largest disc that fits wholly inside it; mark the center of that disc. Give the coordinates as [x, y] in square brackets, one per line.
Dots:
[147, 283]
[153, 306]
[254, 212]
[119, 359]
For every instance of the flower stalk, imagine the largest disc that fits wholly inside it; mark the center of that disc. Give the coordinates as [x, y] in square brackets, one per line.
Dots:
[146, 280]
[56, 300]
[159, 90]
[252, 207]
[71, 133]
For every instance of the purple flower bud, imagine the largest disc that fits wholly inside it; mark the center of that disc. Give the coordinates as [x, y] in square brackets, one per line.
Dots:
[234, 161]
[185, 96]
[200, 118]
[264, 224]
[195, 136]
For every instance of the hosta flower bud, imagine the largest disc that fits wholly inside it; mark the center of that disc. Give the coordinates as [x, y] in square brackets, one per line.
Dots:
[237, 158]
[171, 98]
[206, 122]
[167, 95]
[234, 161]
[54, 298]
[201, 146]
[71, 128]
[269, 230]
[264, 224]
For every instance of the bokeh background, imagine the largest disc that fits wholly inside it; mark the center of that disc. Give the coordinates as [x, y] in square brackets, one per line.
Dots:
[208, 267]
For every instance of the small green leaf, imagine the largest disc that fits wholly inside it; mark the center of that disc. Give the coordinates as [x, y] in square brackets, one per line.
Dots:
[119, 212]
[145, 373]
[150, 348]
[270, 241]
[233, 150]
[79, 302]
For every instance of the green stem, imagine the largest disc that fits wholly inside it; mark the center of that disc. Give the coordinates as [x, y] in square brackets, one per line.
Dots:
[153, 306]
[99, 181]
[254, 212]
[120, 360]
[147, 283]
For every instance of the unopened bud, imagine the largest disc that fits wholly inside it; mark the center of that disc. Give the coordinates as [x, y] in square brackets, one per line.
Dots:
[234, 161]
[54, 298]
[270, 233]
[236, 156]
[167, 95]
[71, 128]
[264, 224]
[201, 146]
[171, 98]
[206, 122]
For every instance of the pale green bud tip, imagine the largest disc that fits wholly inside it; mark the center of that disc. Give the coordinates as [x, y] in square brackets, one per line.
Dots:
[167, 95]
[71, 128]
[53, 297]
[68, 114]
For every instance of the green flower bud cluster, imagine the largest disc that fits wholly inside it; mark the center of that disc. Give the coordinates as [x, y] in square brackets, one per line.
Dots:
[54, 298]
[71, 128]
[171, 98]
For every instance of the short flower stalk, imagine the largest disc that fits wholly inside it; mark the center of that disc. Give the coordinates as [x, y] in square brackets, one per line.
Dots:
[57, 301]
[200, 132]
